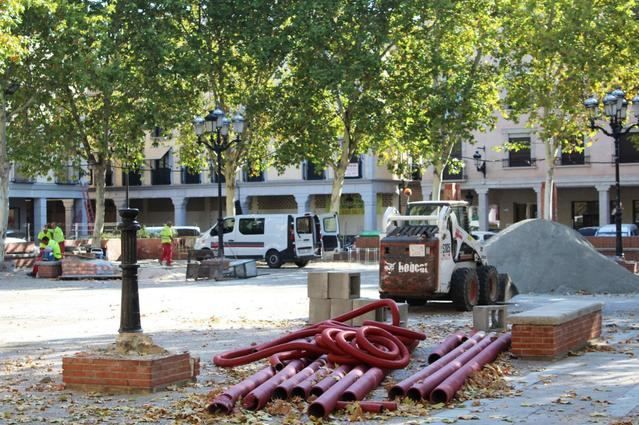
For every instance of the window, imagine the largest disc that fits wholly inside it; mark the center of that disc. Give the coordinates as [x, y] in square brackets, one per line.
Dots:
[304, 225]
[330, 224]
[585, 214]
[521, 157]
[251, 176]
[161, 173]
[228, 225]
[450, 174]
[635, 212]
[628, 151]
[189, 177]
[354, 168]
[312, 172]
[251, 226]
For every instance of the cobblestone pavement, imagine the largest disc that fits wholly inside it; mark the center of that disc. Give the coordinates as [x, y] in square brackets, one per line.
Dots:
[43, 320]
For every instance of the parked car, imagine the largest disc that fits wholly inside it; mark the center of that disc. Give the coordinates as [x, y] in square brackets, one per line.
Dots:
[588, 231]
[611, 230]
[13, 236]
[277, 238]
[482, 236]
[182, 231]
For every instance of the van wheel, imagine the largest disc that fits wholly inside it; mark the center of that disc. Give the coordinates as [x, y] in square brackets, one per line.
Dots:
[488, 285]
[273, 259]
[464, 289]
[301, 263]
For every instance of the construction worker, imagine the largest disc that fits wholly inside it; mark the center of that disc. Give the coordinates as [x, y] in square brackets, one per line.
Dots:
[58, 236]
[49, 245]
[167, 234]
[44, 232]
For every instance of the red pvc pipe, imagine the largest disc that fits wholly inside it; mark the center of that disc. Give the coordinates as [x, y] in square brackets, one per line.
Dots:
[370, 406]
[258, 398]
[338, 374]
[225, 402]
[400, 389]
[447, 389]
[392, 305]
[303, 389]
[364, 385]
[326, 403]
[446, 346]
[283, 391]
[421, 390]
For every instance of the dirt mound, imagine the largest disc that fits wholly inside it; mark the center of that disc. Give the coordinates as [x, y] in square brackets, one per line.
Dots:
[546, 257]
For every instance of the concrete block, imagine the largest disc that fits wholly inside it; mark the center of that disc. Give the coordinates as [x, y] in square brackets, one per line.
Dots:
[341, 306]
[403, 314]
[317, 284]
[490, 317]
[343, 285]
[371, 315]
[318, 309]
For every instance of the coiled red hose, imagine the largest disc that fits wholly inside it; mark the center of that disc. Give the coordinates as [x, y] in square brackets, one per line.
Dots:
[376, 344]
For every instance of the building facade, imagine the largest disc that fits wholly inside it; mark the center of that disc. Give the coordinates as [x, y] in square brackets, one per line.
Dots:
[510, 190]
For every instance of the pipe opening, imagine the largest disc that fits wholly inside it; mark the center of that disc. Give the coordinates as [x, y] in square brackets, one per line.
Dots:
[316, 391]
[218, 408]
[395, 392]
[279, 366]
[438, 396]
[414, 394]
[316, 410]
[298, 392]
[433, 357]
[349, 396]
[280, 393]
[250, 402]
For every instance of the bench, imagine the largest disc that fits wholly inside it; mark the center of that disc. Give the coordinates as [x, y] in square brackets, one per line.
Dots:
[551, 331]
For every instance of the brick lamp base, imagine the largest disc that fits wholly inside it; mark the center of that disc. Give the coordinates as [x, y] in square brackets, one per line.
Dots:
[110, 370]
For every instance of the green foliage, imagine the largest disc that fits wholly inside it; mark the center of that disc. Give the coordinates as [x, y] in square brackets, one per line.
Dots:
[441, 79]
[234, 64]
[558, 53]
[326, 104]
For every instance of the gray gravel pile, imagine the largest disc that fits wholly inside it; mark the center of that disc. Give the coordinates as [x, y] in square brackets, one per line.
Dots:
[546, 257]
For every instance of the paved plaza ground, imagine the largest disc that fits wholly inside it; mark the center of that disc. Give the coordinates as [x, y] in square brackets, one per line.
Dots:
[43, 320]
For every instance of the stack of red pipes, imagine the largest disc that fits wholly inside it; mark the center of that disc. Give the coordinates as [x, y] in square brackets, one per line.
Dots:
[305, 363]
[340, 364]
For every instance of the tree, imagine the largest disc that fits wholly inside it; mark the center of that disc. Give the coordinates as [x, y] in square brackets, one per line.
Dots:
[22, 70]
[557, 53]
[326, 102]
[236, 61]
[118, 69]
[441, 80]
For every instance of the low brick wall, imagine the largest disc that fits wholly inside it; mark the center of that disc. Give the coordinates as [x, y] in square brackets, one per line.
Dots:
[89, 372]
[544, 333]
[606, 246]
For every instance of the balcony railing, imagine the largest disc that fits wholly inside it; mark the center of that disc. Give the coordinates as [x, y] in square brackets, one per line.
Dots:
[572, 159]
[213, 173]
[519, 162]
[190, 178]
[249, 177]
[135, 178]
[161, 176]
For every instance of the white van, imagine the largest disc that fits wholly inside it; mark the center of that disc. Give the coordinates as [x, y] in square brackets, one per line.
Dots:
[277, 238]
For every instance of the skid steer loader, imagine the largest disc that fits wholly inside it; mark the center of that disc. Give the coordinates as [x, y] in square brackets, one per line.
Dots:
[429, 254]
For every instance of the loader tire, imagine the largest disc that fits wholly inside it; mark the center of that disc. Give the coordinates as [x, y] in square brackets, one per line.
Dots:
[507, 288]
[488, 285]
[464, 289]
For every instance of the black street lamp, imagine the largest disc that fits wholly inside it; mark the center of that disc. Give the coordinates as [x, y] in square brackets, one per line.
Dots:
[216, 125]
[615, 109]
[479, 164]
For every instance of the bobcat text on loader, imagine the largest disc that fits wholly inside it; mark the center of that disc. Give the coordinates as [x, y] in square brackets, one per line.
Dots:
[429, 254]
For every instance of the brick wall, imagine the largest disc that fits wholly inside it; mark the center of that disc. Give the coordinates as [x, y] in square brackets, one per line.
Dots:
[551, 341]
[86, 371]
